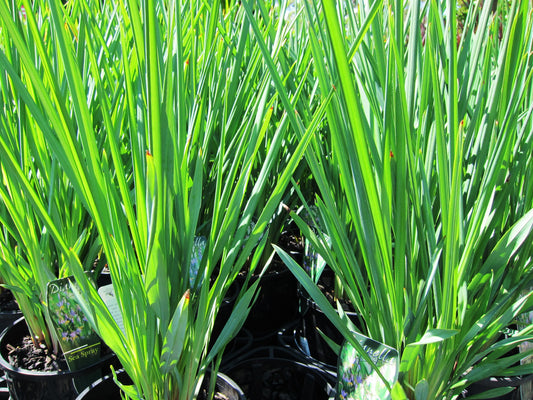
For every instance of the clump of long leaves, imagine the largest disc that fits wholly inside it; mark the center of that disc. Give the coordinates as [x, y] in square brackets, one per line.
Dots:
[157, 113]
[424, 182]
[31, 184]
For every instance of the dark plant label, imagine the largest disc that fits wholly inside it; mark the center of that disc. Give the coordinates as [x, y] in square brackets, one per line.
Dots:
[198, 248]
[357, 379]
[79, 342]
[83, 353]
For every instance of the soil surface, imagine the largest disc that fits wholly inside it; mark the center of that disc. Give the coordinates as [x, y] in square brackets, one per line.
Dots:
[326, 284]
[291, 242]
[25, 355]
[217, 396]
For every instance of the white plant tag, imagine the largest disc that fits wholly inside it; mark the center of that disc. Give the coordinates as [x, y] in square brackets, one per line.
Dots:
[107, 293]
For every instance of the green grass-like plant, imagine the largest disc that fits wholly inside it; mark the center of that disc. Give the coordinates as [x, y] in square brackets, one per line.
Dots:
[430, 227]
[157, 114]
[32, 184]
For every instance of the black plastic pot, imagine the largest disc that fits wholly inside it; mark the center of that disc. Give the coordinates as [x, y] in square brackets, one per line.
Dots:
[4, 392]
[35, 385]
[243, 340]
[226, 308]
[8, 317]
[276, 306]
[306, 337]
[106, 389]
[239, 345]
[9, 310]
[269, 373]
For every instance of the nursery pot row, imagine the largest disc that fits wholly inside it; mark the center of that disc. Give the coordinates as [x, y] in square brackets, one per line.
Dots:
[294, 372]
[305, 368]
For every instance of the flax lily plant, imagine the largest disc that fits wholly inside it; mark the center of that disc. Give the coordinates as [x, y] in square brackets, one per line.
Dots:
[430, 226]
[29, 259]
[163, 118]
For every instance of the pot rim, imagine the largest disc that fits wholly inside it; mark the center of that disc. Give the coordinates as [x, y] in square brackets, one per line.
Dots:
[220, 375]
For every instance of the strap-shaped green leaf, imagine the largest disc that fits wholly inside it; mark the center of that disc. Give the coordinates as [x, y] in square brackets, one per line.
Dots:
[175, 339]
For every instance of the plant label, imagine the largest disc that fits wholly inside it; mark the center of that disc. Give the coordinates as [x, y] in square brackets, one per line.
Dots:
[357, 379]
[107, 293]
[79, 342]
[198, 248]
